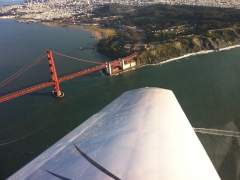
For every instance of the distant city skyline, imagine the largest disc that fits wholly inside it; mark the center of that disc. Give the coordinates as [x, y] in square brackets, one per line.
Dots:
[47, 10]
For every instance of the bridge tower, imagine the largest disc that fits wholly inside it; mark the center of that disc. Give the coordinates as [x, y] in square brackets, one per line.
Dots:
[53, 72]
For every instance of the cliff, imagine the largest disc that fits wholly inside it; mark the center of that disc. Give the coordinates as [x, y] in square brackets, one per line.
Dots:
[160, 32]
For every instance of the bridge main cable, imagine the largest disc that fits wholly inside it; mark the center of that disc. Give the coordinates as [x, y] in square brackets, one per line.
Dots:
[20, 72]
[77, 59]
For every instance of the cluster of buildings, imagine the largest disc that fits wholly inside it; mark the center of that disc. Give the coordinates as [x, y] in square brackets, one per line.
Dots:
[59, 9]
[211, 3]
[214, 3]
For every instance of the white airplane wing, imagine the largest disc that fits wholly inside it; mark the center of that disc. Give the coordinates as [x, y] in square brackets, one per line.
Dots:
[142, 135]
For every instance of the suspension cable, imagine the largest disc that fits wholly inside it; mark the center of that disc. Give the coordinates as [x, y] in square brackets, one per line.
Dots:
[75, 58]
[20, 72]
[15, 75]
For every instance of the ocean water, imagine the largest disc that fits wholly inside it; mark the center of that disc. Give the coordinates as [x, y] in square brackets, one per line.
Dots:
[206, 86]
[8, 2]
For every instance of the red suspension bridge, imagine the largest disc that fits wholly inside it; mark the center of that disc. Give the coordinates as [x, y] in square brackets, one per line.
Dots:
[111, 68]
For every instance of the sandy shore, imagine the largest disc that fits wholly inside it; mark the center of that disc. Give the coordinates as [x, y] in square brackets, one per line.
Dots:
[7, 17]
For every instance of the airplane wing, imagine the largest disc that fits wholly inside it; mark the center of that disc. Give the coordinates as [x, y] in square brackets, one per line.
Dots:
[142, 135]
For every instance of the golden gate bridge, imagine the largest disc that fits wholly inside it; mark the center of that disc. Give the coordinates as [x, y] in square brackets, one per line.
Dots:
[111, 67]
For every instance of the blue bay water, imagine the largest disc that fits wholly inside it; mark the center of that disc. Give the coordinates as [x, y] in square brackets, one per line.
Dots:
[8, 2]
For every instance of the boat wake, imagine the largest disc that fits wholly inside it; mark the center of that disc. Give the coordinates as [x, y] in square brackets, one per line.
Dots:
[218, 132]
[8, 142]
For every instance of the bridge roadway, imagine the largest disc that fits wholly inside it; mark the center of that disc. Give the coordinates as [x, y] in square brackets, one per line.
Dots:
[43, 85]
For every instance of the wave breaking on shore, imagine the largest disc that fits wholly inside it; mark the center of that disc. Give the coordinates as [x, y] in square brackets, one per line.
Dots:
[192, 54]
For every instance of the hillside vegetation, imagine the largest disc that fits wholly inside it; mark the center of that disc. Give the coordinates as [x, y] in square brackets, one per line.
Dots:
[160, 32]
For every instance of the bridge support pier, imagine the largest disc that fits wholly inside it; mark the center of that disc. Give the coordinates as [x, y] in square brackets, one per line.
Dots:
[123, 64]
[109, 68]
[53, 72]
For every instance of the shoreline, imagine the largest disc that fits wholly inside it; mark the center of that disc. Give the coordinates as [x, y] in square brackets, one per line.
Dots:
[183, 57]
